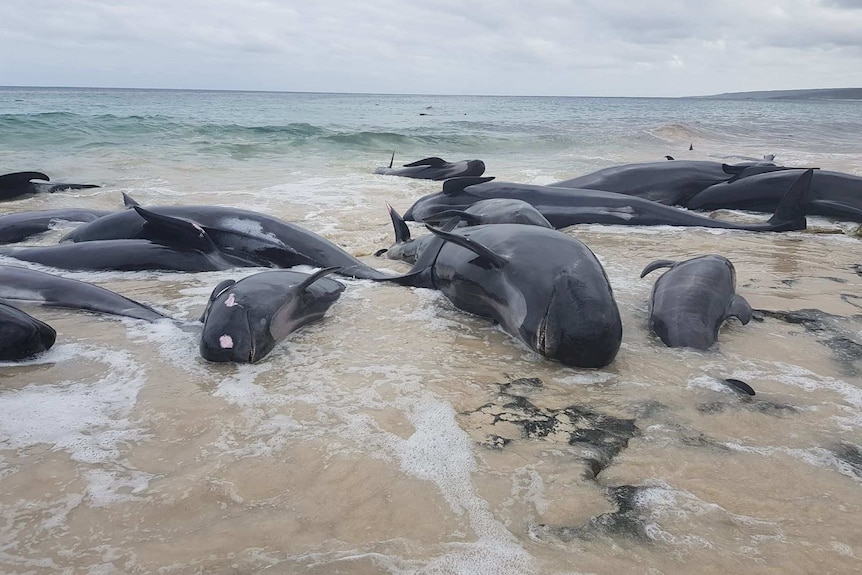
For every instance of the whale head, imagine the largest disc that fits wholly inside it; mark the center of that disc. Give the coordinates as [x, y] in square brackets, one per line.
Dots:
[581, 326]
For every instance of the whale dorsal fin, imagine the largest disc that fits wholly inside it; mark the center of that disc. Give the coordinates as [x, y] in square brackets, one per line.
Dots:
[456, 185]
[495, 260]
[280, 324]
[433, 162]
[656, 265]
[740, 385]
[740, 309]
[129, 201]
[402, 232]
[175, 231]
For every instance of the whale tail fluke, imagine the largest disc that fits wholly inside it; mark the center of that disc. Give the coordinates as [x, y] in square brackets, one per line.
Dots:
[402, 232]
[790, 212]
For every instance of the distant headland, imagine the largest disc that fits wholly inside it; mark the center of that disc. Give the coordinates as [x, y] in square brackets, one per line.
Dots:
[817, 94]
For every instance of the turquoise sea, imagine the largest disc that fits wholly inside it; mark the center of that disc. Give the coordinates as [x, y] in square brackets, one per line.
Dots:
[399, 434]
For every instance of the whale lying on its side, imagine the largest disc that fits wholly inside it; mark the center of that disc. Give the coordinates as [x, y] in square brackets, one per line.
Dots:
[833, 194]
[238, 235]
[670, 183]
[434, 169]
[569, 206]
[25, 285]
[691, 300]
[19, 184]
[244, 320]
[17, 227]
[21, 335]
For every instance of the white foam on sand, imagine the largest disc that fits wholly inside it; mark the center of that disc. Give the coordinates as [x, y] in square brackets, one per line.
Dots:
[87, 419]
[438, 450]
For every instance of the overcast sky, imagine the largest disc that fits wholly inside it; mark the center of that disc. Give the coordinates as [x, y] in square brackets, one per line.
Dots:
[535, 47]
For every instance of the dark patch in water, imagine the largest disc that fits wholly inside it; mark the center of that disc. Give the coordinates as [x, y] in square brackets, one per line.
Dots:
[604, 436]
[626, 521]
[851, 455]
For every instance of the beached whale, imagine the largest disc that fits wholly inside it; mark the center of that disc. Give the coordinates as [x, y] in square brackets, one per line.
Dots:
[542, 286]
[24, 285]
[691, 301]
[18, 226]
[833, 194]
[671, 183]
[244, 235]
[244, 320]
[22, 335]
[19, 184]
[434, 169]
[569, 206]
[490, 211]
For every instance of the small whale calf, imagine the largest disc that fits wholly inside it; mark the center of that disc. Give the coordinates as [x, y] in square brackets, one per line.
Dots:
[245, 319]
[691, 300]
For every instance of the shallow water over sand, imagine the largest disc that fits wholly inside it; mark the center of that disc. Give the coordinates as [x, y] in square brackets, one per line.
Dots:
[400, 435]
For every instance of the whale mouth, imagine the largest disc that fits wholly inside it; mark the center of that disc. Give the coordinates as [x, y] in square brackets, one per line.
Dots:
[542, 335]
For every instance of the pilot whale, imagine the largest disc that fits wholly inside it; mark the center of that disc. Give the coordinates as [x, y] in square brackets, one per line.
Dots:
[434, 169]
[833, 194]
[569, 206]
[670, 183]
[18, 226]
[245, 319]
[19, 284]
[242, 235]
[691, 300]
[22, 335]
[19, 184]
[540, 285]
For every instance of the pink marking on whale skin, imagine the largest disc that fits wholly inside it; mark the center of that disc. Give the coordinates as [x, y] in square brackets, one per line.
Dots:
[230, 301]
[226, 341]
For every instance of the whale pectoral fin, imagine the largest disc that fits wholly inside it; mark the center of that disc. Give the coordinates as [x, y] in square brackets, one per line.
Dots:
[656, 265]
[280, 325]
[740, 309]
[454, 186]
[315, 276]
[495, 260]
[129, 201]
[402, 232]
[433, 162]
[175, 231]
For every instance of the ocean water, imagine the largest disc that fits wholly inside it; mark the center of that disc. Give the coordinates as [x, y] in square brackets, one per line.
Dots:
[399, 434]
